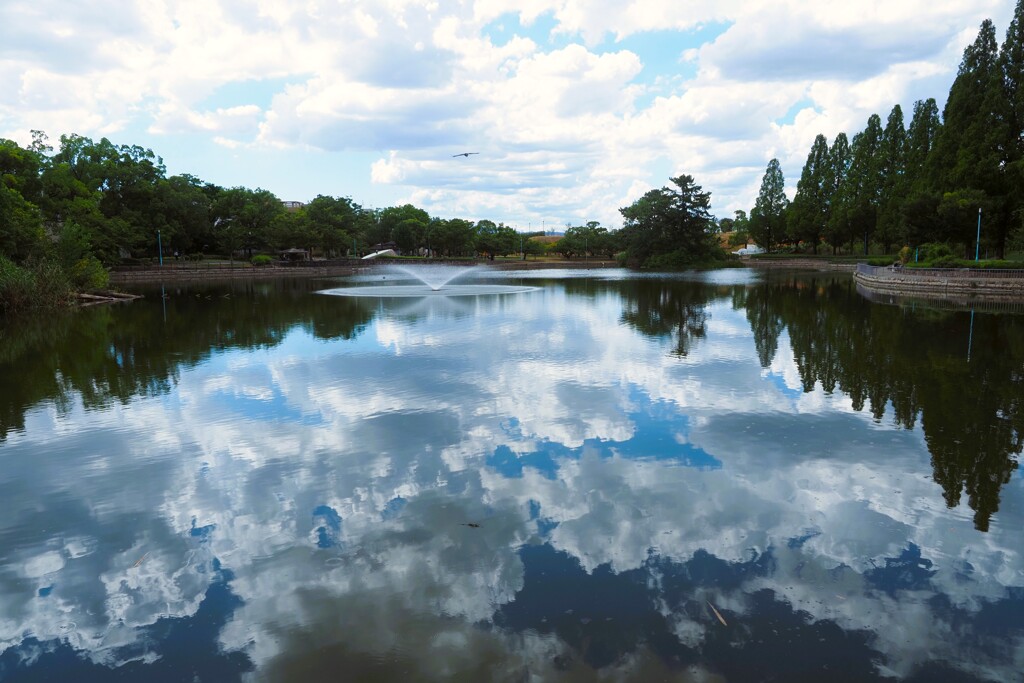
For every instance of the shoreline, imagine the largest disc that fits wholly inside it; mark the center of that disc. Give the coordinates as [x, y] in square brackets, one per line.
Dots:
[979, 284]
[177, 273]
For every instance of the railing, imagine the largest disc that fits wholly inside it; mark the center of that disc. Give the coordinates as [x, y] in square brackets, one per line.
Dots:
[945, 273]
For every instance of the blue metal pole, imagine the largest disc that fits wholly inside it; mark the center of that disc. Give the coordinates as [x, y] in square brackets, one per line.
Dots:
[160, 247]
[977, 244]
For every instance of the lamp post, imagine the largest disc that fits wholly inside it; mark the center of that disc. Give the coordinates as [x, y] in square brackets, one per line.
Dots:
[160, 248]
[977, 244]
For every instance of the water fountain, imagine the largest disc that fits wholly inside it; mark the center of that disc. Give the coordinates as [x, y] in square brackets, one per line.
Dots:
[431, 280]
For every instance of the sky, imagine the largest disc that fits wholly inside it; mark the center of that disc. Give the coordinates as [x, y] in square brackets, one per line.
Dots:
[575, 107]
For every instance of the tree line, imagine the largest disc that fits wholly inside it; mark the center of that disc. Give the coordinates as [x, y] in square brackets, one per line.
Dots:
[116, 202]
[927, 182]
[93, 204]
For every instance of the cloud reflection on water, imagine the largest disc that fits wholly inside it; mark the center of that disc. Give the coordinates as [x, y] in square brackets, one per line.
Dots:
[544, 420]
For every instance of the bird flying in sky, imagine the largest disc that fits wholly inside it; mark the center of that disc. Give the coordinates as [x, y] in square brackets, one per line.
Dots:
[464, 154]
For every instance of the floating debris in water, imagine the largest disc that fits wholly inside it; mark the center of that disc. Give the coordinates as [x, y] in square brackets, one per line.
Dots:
[472, 525]
[140, 561]
[717, 614]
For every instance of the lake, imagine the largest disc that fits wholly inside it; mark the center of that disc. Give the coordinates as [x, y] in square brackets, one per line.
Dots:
[602, 475]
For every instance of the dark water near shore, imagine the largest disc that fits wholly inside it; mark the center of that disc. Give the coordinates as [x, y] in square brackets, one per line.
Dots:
[728, 477]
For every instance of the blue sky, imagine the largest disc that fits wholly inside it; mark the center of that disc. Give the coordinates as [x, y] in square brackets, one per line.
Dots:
[576, 107]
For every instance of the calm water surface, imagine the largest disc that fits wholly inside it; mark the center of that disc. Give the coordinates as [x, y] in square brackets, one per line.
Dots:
[731, 477]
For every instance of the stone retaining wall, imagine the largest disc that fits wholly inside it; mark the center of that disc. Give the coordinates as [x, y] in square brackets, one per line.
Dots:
[179, 271]
[164, 274]
[953, 283]
[798, 264]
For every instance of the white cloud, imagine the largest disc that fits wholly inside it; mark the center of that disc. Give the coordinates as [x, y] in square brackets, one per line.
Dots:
[416, 81]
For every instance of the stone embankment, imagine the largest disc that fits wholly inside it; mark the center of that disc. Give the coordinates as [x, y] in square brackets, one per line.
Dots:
[178, 272]
[188, 271]
[798, 264]
[942, 282]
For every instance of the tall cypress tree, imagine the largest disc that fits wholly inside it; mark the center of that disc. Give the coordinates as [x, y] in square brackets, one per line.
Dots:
[920, 208]
[1011, 59]
[921, 135]
[967, 162]
[892, 171]
[864, 181]
[837, 228]
[767, 219]
[809, 211]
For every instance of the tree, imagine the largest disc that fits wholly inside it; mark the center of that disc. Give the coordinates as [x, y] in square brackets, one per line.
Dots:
[495, 240]
[921, 136]
[672, 225]
[586, 240]
[21, 227]
[244, 218]
[892, 170]
[837, 227]
[969, 151]
[182, 212]
[332, 222]
[1011, 61]
[453, 237]
[861, 193]
[391, 217]
[767, 219]
[409, 234]
[809, 210]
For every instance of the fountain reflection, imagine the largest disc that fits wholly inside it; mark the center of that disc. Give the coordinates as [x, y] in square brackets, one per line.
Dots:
[431, 280]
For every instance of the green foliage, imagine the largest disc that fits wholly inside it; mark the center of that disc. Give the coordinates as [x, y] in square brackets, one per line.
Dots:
[672, 221]
[925, 183]
[496, 240]
[261, 260]
[808, 214]
[21, 229]
[17, 287]
[893, 188]
[768, 218]
[532, 247]
[89, 274]
[837, 224]
[42, 285]
[934, 251]
[739, 238]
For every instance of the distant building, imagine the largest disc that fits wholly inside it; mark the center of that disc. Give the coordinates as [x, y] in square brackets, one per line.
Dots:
[294, 254]
[293, 206]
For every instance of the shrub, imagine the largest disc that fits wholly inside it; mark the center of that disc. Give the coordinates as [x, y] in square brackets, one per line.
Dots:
[89, 273]
[45, 285]
[260, 260]
[52, 285]
[931, 251]
[946, 261]
[194, 257]
[995, 265]
[16, 286]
